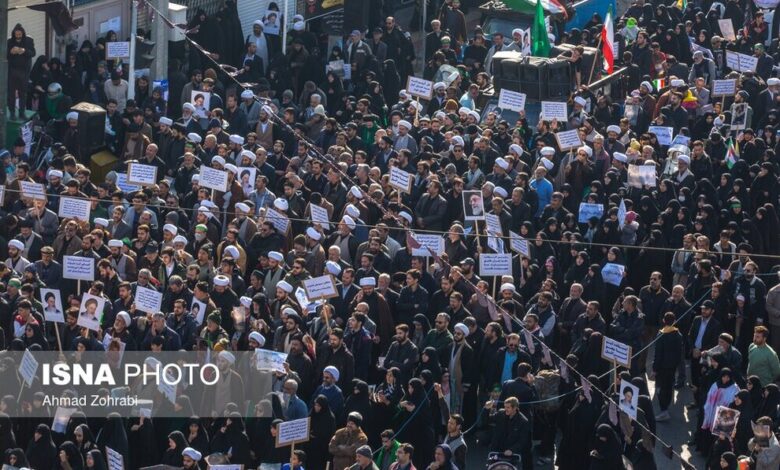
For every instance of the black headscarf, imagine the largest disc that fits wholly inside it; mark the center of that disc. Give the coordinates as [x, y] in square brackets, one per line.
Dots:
[42, 453]
[98, 461]
[75, 459]
[113, 435]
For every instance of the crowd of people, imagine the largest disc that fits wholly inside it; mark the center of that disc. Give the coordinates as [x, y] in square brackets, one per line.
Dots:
[416, 359]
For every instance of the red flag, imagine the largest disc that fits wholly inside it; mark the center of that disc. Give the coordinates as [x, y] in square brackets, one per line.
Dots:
[412, 242]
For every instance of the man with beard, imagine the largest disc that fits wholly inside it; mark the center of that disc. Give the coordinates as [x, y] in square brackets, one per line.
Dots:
[225, 299]
[109, 277]
[344, 238]
[301, 364]
[459, 358]
[331, 391]
[315, 255]
[359, 342]
[335, 354]
[49, 271]
[571, 309]
[120, 330]
[347, 440]
[402, 354]
[15, 260]
[288, 330]
[229, 388]
[190, 458]
[159, 329]
[274, 273]
[183, 323]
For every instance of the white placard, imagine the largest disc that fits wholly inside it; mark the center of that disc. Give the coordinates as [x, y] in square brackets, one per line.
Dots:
[511, 100]
[322, 287]
[629, 398]
[198, 310]
[615, 351]
[78, 267]
[270, 360]
[148, 300]
[2, 192]
[641, 175]
[741, 62]
[279, 220]
[739, 112]
[664, 134]
[114, 459]
[246, 178]
[555, 110]
[118, 50]
[213, 179]
[61, 418]
[518, 244]
[612, 273]
[290, 432]
[568, 140]
[33, 190]
[51, 299]
[319, 215]
[28, 368]
[121, 183]
[727, 29]
[680, 139]
[72, 208]
[91, 311]
[588, 211]
[724, 87]
[495, 264]
[419, 87]
[111, 24]
[428, 240]
[493, 225]
[401, 180]
[144, 175]
[473, 205]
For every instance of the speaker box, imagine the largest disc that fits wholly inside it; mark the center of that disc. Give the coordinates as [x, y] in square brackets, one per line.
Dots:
[591, 54]
[505, 64]
[559, 81]
[92, 125]
[533, 77]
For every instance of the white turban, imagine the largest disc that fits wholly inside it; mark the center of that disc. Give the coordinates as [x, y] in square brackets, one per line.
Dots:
[313, 234]
[166, 121]
[285, 286]
[547, 164]
[257, 338]
[227, 356]
[332, 371]
[192, 453]
[462, 328]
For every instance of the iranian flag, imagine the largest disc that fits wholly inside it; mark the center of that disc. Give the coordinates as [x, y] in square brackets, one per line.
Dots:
[608, 42]
[732, 154]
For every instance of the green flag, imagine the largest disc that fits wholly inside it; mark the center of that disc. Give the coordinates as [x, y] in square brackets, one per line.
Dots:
[540, 43]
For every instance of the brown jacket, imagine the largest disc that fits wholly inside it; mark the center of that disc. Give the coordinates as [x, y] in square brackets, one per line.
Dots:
[343, 446]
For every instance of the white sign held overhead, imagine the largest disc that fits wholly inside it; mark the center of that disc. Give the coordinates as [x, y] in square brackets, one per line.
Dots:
[401, 180]
[662, 133]
[292, 432]
[428, 240]
[118, 50]
[724, 88]
[319, 215]
[568, 140]
[511, 100]
[266, 359]
[148, 300]
[555, 110]
[35, 191]
[78, 267]
[144, 175]
[279, 220]
[518, 244]
[641, 175]
[114, 459]
[419, 87]
[727, 29]
[213, 179]
[741, 62]
[612, 273]
[28, 368]
[322, 287]
[495, 264]
[615, 351]
[493, 224]
[72, 208]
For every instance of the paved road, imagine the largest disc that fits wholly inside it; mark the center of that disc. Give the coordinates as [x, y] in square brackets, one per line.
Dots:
[675, 432]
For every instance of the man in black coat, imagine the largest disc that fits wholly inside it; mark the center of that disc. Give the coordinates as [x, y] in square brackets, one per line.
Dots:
[403, 354]
[21, 50]
[512, 434]
[702, 336]
[668, 355]
[336, 354]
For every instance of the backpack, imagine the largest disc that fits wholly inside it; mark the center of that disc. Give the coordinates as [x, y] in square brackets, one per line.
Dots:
[547, 383]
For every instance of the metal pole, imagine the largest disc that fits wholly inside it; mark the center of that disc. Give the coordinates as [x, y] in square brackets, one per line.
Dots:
[286, 27]
[131, 68]
[159, 67]
[424, 18]
[3, 69]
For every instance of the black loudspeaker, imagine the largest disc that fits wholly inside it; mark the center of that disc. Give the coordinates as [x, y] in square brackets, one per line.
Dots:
[559, 81]
[505, 65]
[591, 54]
[533, 78]
[92, 127]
